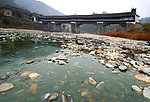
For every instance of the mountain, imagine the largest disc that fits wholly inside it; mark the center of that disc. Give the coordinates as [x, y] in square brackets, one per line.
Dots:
[145, 20]
[33, 6]
[37, 7]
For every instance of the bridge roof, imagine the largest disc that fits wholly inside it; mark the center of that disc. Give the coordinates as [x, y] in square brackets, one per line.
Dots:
[125, 14]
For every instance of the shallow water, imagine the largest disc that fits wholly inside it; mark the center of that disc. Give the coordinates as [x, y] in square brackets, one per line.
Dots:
[71, 78]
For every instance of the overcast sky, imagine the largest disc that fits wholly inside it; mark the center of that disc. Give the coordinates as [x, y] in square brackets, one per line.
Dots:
[71, 7]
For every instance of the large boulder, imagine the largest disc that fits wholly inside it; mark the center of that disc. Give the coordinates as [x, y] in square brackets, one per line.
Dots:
[6, 86]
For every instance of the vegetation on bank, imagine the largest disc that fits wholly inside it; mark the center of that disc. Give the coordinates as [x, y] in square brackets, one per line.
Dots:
[135, 33]
[134, 36]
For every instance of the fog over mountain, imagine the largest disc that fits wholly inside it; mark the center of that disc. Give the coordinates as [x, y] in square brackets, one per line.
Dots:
[7, 2]
[33, 6]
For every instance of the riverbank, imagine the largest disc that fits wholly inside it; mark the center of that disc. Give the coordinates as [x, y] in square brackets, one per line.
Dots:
[117, 54]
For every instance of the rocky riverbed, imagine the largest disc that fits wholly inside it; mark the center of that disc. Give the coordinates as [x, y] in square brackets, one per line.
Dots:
[118, 54]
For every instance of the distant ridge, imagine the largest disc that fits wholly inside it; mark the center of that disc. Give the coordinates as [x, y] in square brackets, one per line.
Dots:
[33, 6]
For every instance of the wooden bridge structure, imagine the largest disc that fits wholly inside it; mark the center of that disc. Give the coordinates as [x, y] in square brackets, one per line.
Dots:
[100, 20]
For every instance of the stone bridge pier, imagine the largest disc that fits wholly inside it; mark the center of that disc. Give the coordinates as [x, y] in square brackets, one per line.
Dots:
[75, 27]
[54, 27]
[100, 28]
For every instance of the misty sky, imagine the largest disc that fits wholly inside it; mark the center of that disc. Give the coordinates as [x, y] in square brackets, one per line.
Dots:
[71, 7]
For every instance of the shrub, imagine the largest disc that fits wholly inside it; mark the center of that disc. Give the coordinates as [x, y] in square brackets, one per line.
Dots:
[134, 36]
[146, 27]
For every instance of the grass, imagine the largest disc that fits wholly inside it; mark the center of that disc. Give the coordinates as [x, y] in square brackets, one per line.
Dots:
[134, 36]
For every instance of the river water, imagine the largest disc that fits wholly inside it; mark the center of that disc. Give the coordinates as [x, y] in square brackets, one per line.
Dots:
[71, 78]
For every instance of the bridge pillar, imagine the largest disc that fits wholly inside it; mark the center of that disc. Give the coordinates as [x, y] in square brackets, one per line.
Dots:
[129, 25]
[100, 27]
[58, 28]
[75, 28]
[52, 26]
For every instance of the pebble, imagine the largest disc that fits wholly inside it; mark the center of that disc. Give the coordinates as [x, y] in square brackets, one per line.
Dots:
[92, 53]
[56, 51]
[146, 92]
[148, 63]
[136, 88]
[115, 72]
[53, 97]
[102, 61]
[85, 93]
[34, 76]
[46, 97]
[123, 68]
[108, 65]
[49, 62]
[92, 81]
[62, 63]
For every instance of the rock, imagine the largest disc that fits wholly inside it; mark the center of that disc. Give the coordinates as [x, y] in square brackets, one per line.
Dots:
[146, 92]
[34, 76]
[143, 78]
[133, 63]
[46, 97]
[92, 53]
[33, 88]
[63, 98]
[91, 81]
[136, 88]
[91, 73]
[102, 61]
[148, 63]
[29, 62]
[86, 93]
[53, 59]
[78, 42]
[98, 85]
[49, 62]
[98, 52]
[108, 65]
[6, 86]
[64, 46]
[62, 58]
[123, 68]
[53, 97]
[26, 73]
[144, 70]
[126, 64]
[69, 98]
[76, 54]
[115, 72]
[56, 51]
[4, 77]
[62, 63]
